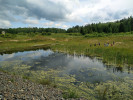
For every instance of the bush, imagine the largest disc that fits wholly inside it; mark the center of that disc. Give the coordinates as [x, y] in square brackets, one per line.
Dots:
[74, 34]
[70, 94]
[21, 33]
[26, 77]
[31, 34]
[45, 82]
[8, 35]
[97, 34]
[46, 33]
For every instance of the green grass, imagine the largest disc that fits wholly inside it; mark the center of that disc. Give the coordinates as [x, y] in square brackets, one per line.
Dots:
[120, 53]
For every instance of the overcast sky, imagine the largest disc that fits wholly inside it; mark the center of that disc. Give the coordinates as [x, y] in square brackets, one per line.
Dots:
[61, 13]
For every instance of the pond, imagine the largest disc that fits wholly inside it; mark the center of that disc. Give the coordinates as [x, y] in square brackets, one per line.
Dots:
[82, 68]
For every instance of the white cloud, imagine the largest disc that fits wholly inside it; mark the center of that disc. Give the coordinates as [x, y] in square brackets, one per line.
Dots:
[61, 25]
[101, 10]
[58, 24]
[65, 26]
[48, 24]
[5, 24]
[31, 21]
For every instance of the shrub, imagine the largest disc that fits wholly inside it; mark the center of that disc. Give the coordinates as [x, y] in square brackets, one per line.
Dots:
[70, 94]
[45, 82]
[8, 35]
[97, 34]
[26, 77]
[31, 34]
[74, 34]
[46, 33]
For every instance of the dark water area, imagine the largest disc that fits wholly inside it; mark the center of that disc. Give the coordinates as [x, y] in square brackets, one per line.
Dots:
[85, 69]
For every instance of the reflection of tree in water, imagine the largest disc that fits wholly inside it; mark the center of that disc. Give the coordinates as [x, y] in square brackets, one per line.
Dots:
[114, 69]
[118, 69]
[130, 69]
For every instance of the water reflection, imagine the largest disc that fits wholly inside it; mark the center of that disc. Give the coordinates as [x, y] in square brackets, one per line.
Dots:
[27, 55]
[81, 67]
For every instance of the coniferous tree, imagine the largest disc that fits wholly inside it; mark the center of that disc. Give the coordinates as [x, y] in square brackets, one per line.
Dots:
[121, 28]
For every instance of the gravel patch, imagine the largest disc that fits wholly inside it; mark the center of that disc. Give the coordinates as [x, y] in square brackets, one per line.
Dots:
[13, 87]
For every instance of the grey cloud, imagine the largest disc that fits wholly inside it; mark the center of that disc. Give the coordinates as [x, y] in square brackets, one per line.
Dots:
[119, 15]
[49, 11]
[116, 14]
[11, 6]
[109, 15]
[6, 16]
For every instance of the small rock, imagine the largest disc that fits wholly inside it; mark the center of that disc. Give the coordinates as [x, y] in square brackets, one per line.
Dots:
[21, 90]
[1, 97]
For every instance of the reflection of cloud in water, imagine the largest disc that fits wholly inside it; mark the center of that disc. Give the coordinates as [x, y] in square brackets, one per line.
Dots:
[37, 54]
[84, 68]
[83, 62]
[6, 56]
[27, 55]
[53, 61]
[92, 70]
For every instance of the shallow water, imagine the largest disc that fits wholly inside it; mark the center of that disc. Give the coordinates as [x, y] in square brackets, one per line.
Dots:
[85, 69]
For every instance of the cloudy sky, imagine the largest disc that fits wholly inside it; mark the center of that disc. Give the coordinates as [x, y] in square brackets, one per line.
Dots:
[61, 13]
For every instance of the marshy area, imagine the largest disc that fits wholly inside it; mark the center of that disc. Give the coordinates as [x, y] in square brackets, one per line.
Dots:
[76, 64]
[66, 50]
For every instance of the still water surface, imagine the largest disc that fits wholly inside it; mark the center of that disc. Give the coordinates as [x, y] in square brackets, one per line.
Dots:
[85, 69]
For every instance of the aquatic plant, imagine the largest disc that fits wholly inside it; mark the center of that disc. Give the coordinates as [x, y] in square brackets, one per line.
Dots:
[70, 94]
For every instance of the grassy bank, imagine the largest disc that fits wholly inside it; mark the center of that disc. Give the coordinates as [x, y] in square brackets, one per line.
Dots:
[120, 53]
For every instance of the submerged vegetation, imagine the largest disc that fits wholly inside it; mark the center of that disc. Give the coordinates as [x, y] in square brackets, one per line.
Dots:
[118, 89]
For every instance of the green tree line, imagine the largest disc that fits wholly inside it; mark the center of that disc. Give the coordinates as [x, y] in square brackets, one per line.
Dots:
[124, 25]
[33, 30]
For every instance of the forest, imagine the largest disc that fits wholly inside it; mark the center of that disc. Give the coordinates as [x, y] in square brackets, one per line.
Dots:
[33, 30]
[124, 25]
